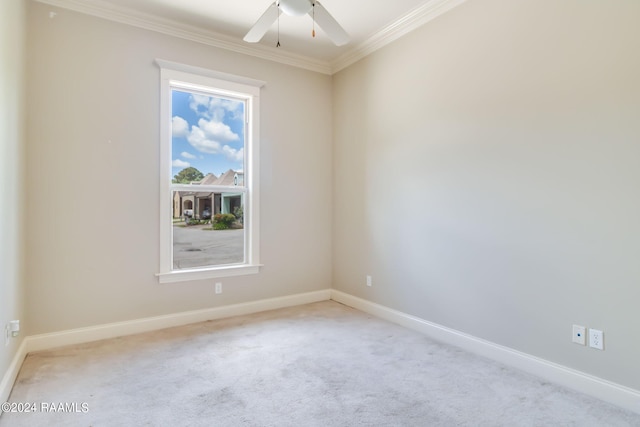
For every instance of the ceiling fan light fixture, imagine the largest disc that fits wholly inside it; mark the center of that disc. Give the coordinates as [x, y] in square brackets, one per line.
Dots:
[295, 7]
[322, 19]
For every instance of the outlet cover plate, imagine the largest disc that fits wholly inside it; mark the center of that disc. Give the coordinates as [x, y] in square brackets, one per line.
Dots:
[596, 339]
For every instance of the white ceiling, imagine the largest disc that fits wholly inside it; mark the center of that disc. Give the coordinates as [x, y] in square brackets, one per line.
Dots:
[370, 24]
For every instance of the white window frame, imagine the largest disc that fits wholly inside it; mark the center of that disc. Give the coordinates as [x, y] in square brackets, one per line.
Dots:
[188, 77]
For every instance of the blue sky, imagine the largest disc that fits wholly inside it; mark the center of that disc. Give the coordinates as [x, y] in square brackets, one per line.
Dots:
[208, 133]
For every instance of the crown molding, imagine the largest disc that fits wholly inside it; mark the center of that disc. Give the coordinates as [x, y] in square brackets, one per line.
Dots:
[411, 21]
[128, 16]
[124, 15]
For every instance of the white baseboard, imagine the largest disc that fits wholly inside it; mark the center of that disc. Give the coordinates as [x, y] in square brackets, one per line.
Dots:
[118, 329]
[11, 374]
[599, 388]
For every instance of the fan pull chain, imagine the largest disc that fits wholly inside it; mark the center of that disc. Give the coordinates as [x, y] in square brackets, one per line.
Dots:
[313, 18]
[278, 44]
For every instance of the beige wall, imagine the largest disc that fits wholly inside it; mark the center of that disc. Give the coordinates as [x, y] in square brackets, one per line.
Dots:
[12, 61]
[486, 175]
[94, 149]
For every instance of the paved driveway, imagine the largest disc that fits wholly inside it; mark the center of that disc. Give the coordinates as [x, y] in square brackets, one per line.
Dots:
[194, 246]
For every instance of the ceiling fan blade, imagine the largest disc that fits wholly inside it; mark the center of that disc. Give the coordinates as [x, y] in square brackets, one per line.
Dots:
[263, 24]
[329, 25]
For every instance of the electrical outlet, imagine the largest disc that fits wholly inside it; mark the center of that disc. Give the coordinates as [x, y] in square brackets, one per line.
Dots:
[579, 335]
[14, 326]
[369, 281]
[218, 287]
[596, 339]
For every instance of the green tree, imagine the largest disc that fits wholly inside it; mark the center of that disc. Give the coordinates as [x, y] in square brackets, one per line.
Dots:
[187, 175]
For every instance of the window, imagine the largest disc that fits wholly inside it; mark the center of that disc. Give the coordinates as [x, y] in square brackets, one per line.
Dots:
[209, 223]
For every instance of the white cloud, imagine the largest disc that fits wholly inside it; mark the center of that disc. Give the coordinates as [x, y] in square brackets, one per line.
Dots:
[209, 137]
[214, 108]
[218, 106]
[177, 163]
[217, 130]
[179, 127]
[198, 140]
[199, 103]
[233, 154]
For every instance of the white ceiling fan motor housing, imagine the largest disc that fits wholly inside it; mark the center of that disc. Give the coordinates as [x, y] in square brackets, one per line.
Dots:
[295, 7]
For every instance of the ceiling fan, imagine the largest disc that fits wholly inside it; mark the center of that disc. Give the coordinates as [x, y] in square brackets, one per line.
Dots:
[298, 8]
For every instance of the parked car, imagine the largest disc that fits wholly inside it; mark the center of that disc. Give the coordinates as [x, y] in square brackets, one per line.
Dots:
[206, 213]
[187, 213]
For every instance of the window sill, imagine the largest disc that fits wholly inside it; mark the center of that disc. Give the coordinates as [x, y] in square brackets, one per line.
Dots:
[211, 273]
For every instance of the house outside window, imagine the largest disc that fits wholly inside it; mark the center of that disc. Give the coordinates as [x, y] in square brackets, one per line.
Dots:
[209, 205]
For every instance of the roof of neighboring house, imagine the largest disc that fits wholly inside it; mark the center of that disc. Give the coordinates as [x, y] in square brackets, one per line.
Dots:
[209, 179]
[227, 177]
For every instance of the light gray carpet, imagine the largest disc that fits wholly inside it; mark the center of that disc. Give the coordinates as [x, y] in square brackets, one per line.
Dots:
[321, 364]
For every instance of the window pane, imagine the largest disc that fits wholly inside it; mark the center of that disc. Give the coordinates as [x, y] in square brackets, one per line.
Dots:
[207, 147]
[208, 138]
[208, 229]
[209, 124]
